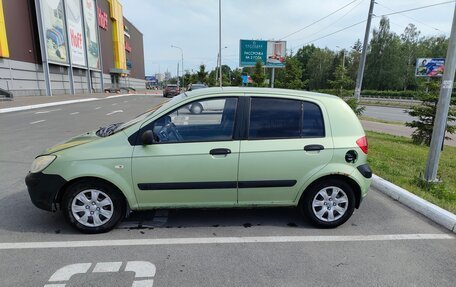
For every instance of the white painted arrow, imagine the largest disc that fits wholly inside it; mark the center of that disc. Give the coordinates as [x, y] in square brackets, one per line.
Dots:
[114, 112]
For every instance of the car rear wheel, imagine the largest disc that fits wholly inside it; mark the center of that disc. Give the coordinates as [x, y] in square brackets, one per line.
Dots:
[328, 203]
[93, 207]
[196, 108]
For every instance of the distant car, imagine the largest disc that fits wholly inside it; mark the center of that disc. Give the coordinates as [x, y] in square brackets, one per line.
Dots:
[265, 147]
[199, 107]
[170, 90]
[192, 87]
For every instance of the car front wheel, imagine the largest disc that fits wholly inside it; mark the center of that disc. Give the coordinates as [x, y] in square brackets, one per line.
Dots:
[328, 203]
[93, 207]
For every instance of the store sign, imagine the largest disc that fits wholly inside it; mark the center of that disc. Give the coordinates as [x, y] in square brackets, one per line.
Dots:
[102, 19]
[91, 31]
[54, 30]
[74, 26]
[127, 47]
[270, 53]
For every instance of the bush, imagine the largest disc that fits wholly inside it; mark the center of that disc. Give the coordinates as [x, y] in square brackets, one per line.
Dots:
[380, 94]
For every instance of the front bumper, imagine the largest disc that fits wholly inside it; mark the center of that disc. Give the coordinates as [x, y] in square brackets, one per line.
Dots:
[43, 188]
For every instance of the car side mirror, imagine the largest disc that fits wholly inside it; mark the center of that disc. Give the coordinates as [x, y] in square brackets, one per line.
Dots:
[147, 138]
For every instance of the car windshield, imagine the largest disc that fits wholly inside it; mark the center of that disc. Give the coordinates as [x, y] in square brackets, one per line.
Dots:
[114, 128]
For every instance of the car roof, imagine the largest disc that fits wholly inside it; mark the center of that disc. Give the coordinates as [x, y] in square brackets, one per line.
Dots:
[248, 91]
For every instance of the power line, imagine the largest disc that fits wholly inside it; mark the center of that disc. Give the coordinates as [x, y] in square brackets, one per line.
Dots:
[414, 19]
[335, 32]
[417, 8]
[331, 25]
[319, 20]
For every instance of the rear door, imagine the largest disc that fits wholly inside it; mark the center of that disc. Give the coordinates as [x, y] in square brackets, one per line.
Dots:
[287, 143]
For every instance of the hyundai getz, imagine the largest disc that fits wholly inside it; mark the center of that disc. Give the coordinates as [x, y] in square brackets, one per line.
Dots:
[265, 147]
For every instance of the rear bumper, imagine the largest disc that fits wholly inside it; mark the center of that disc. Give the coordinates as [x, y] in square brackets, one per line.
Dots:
[43, 189]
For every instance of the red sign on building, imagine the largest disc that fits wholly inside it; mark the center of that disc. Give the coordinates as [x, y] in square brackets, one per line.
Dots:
[102, 19]
[127, 47]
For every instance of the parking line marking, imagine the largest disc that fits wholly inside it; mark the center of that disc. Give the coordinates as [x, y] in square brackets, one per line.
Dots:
[143, 283]
[40, 121]
[45, 112]
[107, 267]
[97, 108]
[221, 240]
[66, 272]
[75, 113]
[114, 112]
[141, 268]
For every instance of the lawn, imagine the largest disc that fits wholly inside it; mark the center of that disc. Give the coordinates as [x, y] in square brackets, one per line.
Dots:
[398, 160]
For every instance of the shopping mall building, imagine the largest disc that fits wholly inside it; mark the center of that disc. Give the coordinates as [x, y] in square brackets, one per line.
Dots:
[68, 46]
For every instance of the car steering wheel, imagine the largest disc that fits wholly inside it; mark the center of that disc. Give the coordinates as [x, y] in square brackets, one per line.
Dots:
[168, 130]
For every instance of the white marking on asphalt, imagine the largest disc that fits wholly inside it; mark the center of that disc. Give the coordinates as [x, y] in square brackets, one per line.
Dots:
[143, 283]
[141, 268]
[45, 112]
[125, 101]
[115, 104]
[75, 113]
[97, 108]
[219, 240]
[114, 112]
[40, 121]
[65, 273]
[107, 267]
[30, 107]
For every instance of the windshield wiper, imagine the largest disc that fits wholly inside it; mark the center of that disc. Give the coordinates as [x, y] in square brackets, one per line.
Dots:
[107, 130]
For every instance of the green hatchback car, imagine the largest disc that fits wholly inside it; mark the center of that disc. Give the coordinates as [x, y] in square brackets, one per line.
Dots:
[263, 147]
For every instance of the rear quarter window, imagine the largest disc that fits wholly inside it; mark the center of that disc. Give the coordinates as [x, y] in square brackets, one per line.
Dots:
[274, 118]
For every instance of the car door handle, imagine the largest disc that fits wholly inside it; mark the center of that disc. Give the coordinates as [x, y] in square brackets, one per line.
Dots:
[220, 151]
[313, 147]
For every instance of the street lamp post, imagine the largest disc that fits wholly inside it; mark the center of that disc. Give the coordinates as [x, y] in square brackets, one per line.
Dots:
[182, 54]
[218, 70]
[343, 57]
[220, 42]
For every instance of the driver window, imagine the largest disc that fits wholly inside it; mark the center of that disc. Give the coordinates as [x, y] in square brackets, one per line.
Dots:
[199, 121]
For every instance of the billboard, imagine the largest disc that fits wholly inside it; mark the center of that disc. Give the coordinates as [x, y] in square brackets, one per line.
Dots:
[270, 53]
[430, 67]
[91, 29]
[73, 11]
[54, 30]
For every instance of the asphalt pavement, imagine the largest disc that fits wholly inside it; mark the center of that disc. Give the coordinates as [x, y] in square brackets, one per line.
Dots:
[383, 244]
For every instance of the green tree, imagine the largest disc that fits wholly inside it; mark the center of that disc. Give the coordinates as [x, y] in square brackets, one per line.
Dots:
[303, 56]
[258, 76]
[426, 114]
[341, 81]
[202, 74]
[290, 76]
[236, 79]
[318, 67]
[352, 61]
[383, 65]
[409, 53]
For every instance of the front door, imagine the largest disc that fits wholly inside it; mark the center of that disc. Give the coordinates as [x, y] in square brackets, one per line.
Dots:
[287, 144]
[193, 162]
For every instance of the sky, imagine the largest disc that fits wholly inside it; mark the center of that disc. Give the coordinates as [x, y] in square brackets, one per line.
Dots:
[193, 26]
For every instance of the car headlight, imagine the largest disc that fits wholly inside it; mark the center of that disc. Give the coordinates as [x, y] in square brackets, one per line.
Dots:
[42, 162]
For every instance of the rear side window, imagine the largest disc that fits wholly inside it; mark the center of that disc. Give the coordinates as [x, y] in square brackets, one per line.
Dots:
[312, 121]
[282, 118]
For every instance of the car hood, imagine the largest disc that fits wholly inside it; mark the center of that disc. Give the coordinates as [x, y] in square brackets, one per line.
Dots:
[76, 141]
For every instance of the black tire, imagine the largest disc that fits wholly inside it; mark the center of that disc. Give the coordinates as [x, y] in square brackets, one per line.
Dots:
[196, 109]
[307, 198]
[118, 205]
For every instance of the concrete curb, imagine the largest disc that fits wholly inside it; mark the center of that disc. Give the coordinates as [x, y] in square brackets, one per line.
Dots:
[431, 211]
[37, 106]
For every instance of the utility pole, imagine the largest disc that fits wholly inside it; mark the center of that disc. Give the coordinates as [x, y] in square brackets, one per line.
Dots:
[362, 62]
[178, 82]
[220, 42]
[441, 117]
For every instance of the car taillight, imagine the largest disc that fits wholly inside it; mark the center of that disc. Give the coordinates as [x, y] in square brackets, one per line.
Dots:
[363, 145]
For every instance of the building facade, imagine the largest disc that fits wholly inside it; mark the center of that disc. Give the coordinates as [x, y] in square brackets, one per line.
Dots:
[68, 46]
